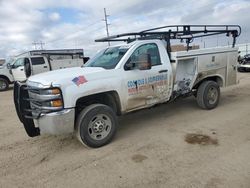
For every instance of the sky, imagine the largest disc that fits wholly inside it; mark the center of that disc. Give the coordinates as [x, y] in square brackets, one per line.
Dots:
[76, 24]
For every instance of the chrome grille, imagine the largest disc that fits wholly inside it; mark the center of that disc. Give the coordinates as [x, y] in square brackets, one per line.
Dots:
[39, 103]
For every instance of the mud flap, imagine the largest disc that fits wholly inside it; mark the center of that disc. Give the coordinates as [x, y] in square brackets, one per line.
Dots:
[22, 109]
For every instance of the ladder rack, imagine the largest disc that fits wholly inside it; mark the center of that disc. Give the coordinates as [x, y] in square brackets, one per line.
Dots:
[182, 32]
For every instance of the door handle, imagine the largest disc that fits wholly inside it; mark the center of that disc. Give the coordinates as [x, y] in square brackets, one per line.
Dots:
[161, 71]
[21, 69]
[45, 67]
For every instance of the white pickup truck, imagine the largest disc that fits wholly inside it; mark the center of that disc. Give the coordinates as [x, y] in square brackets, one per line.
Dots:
[39, 61]
[123, 78]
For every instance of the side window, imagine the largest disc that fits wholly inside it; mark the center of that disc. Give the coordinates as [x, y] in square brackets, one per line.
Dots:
[150, 49]
[37, 60]
[19, 62]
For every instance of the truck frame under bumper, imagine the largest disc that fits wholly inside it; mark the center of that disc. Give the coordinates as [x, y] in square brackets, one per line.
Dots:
[60, 122]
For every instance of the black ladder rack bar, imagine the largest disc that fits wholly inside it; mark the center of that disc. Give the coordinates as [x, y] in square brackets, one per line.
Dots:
[182, 32]
[176, 32]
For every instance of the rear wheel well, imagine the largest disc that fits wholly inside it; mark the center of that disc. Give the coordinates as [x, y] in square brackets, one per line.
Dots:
[110, 99]
[6, 78]
[216, 79]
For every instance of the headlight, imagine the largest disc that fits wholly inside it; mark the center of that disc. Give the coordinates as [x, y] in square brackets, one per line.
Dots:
[46, 99]
[54, 103]
[53, 97]
[54, 91]
[57, 103]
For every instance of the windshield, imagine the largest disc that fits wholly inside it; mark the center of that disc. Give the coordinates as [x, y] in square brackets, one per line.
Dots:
[107, 59]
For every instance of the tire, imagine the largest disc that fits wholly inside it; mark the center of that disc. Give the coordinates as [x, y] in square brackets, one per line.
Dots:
[241, 69]
[4, 84]
[208, 95]
[96, 125]
[247, 69]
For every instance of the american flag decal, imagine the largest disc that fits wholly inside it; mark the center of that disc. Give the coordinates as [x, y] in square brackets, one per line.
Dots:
[79, 80]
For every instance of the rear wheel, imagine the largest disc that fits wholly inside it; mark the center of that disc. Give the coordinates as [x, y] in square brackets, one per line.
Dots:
[208, 95]
[4, 84]
[96, 125]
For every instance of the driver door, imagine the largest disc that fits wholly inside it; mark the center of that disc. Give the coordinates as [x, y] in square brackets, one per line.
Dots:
[145, 87]
[17, 70]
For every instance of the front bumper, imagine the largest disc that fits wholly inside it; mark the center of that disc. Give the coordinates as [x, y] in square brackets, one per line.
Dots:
[59, 122]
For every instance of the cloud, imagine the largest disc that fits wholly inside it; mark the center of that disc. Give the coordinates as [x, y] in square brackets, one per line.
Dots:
[54, 16]
[67, 24]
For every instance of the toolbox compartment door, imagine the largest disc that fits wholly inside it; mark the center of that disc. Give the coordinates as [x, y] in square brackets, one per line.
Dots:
[231, 68]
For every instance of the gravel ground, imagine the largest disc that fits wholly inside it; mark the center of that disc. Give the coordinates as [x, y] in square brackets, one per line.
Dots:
[172, 145]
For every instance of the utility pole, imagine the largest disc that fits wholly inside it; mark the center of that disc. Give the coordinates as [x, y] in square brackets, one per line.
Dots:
[41, 44]
[246, 47]
[106, 23]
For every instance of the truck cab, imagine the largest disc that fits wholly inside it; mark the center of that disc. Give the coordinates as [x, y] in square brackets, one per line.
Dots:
[23, 67]
[142, 84]
[17, 69]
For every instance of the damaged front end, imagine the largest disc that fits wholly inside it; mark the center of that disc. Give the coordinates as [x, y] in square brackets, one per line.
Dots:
[33, 104]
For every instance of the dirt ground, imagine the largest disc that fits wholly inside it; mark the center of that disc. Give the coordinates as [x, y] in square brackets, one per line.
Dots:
[156, 147]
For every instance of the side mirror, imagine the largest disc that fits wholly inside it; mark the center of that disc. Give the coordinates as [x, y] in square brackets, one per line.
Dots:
[9, 66]
[144, 62]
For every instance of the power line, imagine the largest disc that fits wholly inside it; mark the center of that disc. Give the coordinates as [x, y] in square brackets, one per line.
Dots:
[106, 23]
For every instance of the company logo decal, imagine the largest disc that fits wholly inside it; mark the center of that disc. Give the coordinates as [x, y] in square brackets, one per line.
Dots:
[141, 85]
[79, 80]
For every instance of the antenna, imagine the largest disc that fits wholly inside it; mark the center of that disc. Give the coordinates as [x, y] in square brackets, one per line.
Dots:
[106, 23]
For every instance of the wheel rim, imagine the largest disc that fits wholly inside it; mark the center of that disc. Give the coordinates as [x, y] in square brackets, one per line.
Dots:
[2, 84]
[212, 95]
[99, 127]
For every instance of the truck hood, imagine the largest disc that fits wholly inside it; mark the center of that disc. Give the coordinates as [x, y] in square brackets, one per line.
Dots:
[65, 76]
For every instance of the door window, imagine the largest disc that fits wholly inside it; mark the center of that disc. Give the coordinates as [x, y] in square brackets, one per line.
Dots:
[37, 60]
[147, 49]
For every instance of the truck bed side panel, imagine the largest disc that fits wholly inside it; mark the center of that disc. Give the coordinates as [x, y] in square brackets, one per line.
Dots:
[219, 62]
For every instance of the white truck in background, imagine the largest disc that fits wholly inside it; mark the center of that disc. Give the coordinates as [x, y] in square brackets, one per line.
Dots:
[6, 77]
[127, 77]
[39, 61]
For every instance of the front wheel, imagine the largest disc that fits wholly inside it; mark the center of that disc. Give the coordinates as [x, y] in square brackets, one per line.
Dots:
[208, 95]
[96, 125]
[4, 84]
